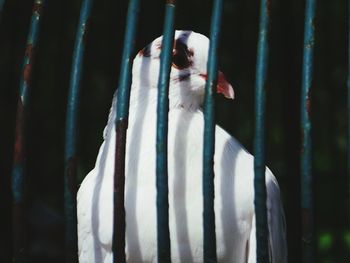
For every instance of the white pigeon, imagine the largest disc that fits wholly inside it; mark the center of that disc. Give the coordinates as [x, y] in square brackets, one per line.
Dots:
[234, 172]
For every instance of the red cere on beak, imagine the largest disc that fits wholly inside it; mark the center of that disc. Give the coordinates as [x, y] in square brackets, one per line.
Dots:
[223, 86]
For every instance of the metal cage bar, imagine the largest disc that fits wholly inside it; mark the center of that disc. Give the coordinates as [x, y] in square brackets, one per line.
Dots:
[348, 108]
[209, 240]
[1, 6]
[163, 235]
[19, 163]
[70, 159]
[306, 173]
[259, 138]
[121, 124]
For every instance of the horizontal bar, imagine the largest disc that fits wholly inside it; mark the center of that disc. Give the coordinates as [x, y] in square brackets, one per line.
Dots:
[259, 138]
[70, 178]
[163, 235]
[19, 163]
[308, 236]
[123, 97]
[209, 240]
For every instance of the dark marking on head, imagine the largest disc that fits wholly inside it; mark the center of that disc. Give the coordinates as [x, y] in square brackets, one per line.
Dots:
[182, 56]
[184, 77]
[146, 51]
[183, 37]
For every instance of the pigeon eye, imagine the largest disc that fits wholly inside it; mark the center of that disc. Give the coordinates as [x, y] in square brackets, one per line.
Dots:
[181, 56]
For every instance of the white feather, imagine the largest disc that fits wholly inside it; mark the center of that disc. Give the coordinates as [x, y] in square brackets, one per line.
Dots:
[234, 180]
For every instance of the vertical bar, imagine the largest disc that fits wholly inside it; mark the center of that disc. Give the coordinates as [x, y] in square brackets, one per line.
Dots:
[209, 240]
[163, 236]
[259, 138]
[70, 185]
[1, 6]
[348, 86]
[306, 175]
[123, 96]
[19, 163]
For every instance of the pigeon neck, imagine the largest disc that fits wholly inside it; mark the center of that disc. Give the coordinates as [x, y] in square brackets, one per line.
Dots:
[179, 98]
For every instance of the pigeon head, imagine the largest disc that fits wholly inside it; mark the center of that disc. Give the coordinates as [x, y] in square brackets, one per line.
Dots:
[188, 71]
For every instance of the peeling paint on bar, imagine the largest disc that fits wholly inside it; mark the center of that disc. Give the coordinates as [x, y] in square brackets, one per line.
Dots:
[19, 164]
[308, 235]
[209, 238]
[259, 137]
[163, 235]
[123, 97]
[27, 71]
[19, 155]
[70, 178]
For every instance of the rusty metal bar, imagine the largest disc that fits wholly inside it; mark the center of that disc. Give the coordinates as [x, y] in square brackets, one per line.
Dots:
[70, 159]
[163, 235]
[308, 235]
[123, 97]
[209, 240]
[259, 138]
[19, 164]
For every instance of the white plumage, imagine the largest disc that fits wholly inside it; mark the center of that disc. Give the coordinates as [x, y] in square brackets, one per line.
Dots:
[234, 172]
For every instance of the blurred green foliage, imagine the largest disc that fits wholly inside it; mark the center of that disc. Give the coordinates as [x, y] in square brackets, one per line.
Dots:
[325, 241]
[237, 60]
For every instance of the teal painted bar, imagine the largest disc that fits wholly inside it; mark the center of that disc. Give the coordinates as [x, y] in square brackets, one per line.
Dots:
[19, 163]
[163, 236]
[123, 97]
[209, 240]
[259, 138]
[1, 6]
[70, 159]
[348, 106]
[308, 233]
[126, 62]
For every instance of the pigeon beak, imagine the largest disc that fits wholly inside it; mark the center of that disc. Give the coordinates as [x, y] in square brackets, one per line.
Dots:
[223, 86]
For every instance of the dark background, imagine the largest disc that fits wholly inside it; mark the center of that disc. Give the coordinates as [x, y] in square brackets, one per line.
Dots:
[237, 60]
